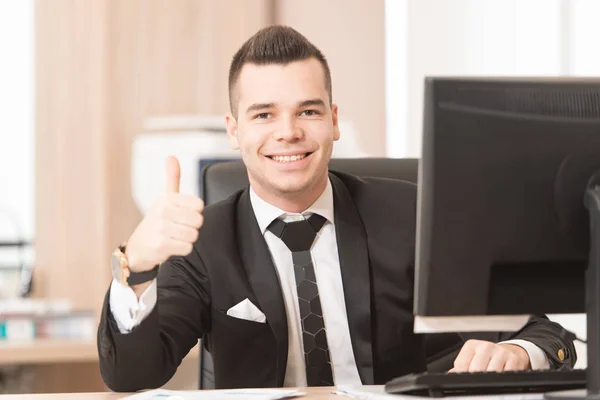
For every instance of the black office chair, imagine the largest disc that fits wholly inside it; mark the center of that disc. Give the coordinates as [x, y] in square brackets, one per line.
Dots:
[220, 180]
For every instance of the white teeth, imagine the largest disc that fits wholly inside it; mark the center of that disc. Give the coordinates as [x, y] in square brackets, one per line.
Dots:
[288, 158]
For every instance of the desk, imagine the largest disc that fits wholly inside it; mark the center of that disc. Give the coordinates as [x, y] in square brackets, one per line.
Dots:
[312, 393]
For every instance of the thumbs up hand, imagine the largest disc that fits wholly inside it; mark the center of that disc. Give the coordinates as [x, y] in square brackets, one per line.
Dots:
[170, 228]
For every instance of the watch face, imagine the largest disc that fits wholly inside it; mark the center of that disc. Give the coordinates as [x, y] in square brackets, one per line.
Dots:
[115, 265]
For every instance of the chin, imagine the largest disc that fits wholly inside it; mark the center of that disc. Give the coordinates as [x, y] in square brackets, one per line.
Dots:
[291, 187]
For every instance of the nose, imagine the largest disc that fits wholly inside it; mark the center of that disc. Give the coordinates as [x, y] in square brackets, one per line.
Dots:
[288, 130]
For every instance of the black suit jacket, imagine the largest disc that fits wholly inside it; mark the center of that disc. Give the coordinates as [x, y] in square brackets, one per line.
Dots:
[375, 228]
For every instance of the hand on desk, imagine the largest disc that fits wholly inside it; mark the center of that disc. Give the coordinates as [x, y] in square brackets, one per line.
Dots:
[479, 355]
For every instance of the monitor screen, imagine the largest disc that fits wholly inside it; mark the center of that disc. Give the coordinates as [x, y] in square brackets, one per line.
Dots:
[502, 228]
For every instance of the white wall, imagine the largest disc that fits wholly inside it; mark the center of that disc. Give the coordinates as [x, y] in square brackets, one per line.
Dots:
[478, 37]
[16, 123]
[482, 37]
[583, 54]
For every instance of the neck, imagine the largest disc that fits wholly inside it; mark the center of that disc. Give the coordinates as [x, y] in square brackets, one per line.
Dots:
[295, 202]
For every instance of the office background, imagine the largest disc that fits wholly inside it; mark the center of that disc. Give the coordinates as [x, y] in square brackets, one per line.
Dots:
[81, 79]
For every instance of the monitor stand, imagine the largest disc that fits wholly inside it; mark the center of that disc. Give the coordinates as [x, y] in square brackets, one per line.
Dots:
[592, 279]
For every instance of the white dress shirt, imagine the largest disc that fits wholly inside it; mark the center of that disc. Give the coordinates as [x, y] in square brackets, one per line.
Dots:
[329, 281]
[129, 312]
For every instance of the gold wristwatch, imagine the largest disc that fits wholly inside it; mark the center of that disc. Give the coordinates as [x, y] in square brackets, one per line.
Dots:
[122, 273]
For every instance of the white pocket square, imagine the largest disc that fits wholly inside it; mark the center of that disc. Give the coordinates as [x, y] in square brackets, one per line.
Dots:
[248, 311]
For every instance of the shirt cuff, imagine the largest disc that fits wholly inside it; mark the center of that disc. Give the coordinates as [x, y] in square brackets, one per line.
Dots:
[125, 307]
[537, 357]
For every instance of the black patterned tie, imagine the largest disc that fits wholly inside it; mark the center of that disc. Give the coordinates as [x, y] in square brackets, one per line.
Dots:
[298, 237]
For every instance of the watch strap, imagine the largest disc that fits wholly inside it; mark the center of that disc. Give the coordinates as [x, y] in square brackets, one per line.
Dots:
[135, 278]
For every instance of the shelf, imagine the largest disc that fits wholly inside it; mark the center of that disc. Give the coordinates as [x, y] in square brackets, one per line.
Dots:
[45, 351]
[14, 244]
[53, 351]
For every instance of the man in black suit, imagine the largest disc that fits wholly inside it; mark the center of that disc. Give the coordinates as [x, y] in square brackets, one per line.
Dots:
[305, 277]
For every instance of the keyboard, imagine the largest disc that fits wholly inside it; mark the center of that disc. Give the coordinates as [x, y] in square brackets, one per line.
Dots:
[472, 383]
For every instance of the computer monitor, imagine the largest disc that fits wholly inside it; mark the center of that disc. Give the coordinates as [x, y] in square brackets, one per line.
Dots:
[502, 226]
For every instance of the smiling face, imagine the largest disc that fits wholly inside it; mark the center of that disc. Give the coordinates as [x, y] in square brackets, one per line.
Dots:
[285, 129]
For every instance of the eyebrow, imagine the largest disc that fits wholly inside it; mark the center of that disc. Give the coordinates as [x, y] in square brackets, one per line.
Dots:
[259, 106]
[305, 103]
[312, 102]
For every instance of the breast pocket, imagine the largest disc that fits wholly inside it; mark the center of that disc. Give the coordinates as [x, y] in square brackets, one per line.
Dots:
[225, 324]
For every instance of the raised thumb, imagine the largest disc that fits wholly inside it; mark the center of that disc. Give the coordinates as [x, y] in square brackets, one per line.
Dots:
[173, 174]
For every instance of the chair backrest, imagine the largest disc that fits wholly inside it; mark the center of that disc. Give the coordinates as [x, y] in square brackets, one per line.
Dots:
[222, 179]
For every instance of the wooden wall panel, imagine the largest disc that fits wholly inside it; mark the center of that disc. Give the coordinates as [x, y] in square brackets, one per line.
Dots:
[71, 181]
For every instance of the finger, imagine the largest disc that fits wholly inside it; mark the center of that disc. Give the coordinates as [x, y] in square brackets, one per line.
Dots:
[173, 174]
[462, 361]
[184, 217]
[480, 361]
[179, 248]
[181, 233]
[513, 364]
[193, 203]
[498, 361]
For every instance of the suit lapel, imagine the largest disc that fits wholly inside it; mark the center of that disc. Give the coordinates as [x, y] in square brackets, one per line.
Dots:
[263, 278]
[354, 264]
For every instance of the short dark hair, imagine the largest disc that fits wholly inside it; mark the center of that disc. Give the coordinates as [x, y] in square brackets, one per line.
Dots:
[276, 44]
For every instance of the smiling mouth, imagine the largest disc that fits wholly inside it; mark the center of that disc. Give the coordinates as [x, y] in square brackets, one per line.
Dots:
[287, 159]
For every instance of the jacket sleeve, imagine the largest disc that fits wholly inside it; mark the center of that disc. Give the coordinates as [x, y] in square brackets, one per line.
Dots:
[148, 356]
[556, 342]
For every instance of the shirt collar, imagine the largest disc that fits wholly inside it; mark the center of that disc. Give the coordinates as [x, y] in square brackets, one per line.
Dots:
[265, 212]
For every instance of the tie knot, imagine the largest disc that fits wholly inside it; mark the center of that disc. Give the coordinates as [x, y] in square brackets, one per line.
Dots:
[298, 235]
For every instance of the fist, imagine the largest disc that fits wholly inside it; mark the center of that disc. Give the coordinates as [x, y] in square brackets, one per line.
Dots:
[170, 228]
[479, 355]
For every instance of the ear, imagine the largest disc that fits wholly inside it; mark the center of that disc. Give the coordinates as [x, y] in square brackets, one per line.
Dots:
[231, 127]
[336, 127]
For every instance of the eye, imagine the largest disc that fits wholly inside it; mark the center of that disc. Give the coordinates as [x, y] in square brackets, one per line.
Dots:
[309, 113]
[262, 116]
